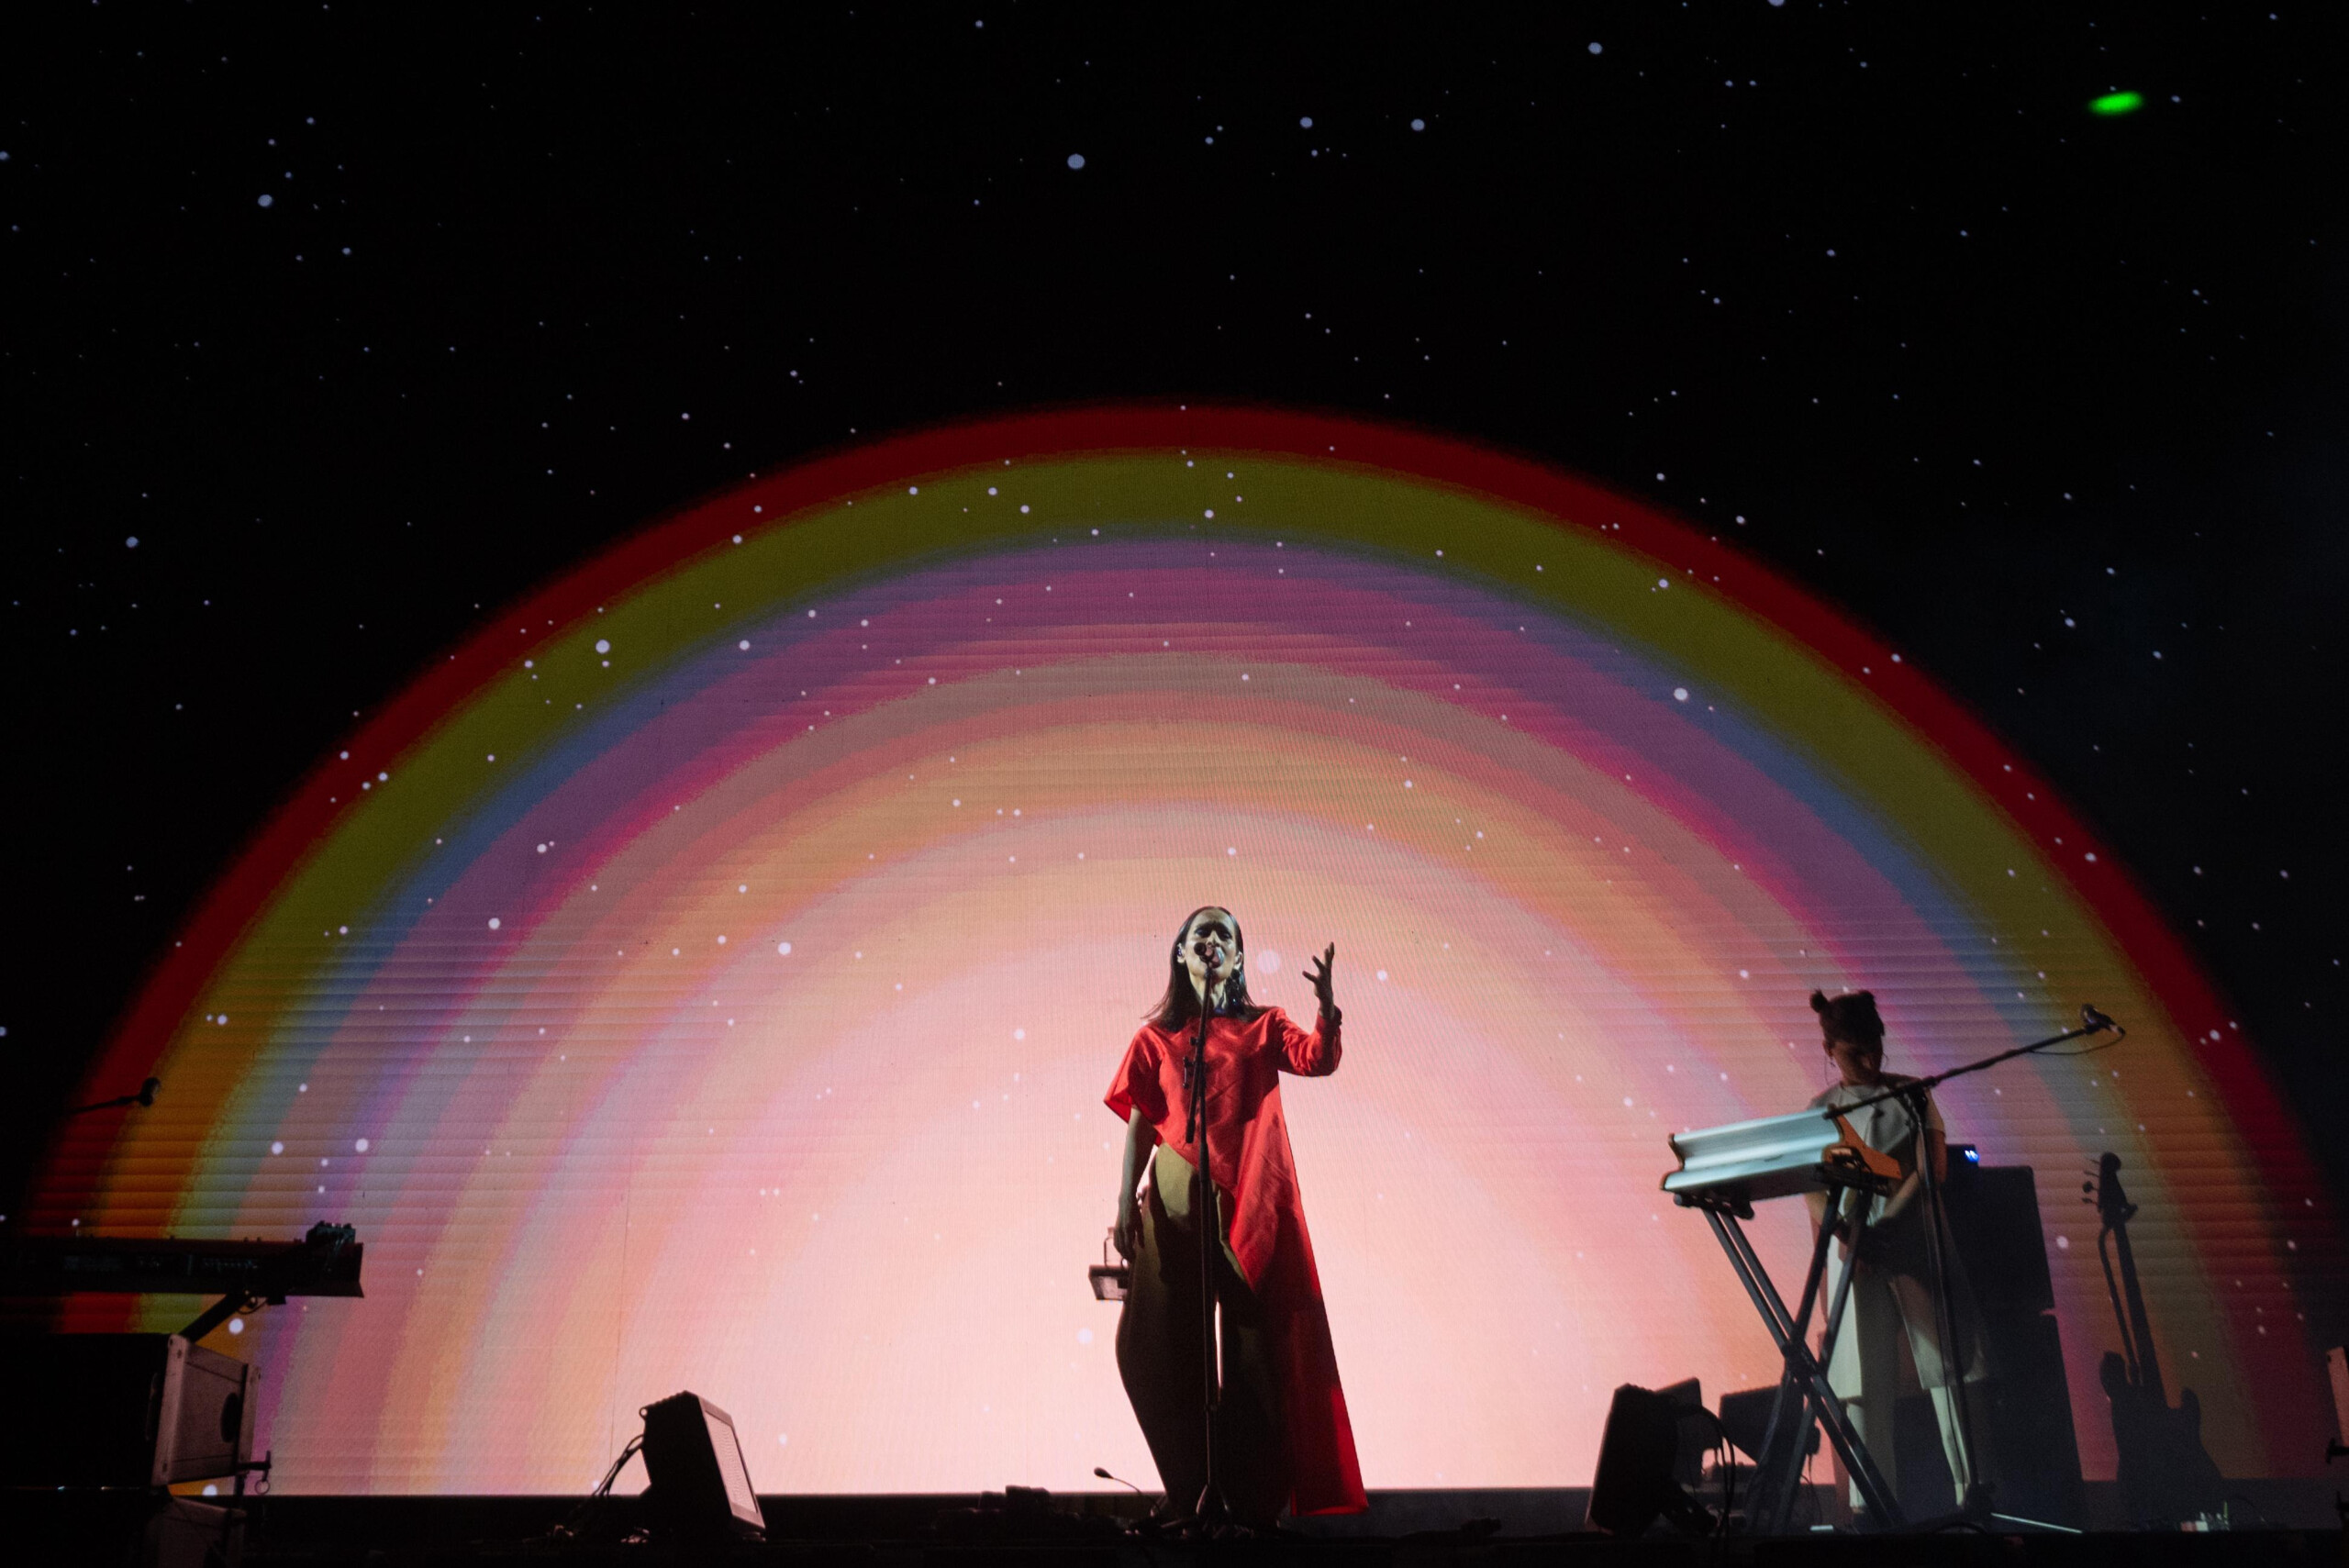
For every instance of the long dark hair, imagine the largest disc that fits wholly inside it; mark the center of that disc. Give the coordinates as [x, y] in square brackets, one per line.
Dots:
[1181, 1002]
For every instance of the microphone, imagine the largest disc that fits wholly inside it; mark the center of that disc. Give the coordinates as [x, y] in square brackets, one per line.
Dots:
[2092, 1019]
[145, 1096]
[1119, 1480]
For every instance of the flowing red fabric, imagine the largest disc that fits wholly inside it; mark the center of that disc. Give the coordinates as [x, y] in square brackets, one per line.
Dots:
[1257, 1176]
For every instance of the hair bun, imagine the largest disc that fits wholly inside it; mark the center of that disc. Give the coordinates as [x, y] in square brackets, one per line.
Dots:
[1850, 1017]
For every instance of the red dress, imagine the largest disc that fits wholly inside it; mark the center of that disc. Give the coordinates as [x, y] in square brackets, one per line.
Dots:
[1257, 1177]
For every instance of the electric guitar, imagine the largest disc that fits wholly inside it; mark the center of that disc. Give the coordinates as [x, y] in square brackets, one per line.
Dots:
[2166, 1473]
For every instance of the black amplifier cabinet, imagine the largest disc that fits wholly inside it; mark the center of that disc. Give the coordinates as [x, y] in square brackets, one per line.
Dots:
[2023, 1415]
[123, 1410]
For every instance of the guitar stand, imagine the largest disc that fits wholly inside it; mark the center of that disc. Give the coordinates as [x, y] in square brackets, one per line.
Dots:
[1804, 1381]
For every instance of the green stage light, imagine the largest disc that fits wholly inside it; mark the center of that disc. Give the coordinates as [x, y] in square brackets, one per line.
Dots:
[2117, 104]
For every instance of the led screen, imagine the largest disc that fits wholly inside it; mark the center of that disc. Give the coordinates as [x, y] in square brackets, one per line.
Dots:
[708, 977]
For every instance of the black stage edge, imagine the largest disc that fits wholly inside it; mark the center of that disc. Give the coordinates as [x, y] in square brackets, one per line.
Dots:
[1417, 1528]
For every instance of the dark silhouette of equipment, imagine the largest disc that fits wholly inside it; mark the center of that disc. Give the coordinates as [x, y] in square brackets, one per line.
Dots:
[2166, 1473]
[109, 1421]
[1745, 1423]
[2027, 1447]
[700, 1483]
[2032, 1452]
[1651, 1453]
[123, 1410]
[246, 1275]
[101, 1425]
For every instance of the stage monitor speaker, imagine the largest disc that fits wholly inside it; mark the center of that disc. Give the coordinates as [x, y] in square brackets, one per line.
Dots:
[123, 1410]
[700, 1483]
[1745, 1421]
[1650, 1452]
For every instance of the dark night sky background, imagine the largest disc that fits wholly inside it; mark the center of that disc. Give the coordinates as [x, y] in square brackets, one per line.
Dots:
[363, 322]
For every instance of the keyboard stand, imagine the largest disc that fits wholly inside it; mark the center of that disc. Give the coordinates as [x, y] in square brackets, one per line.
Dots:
[1804, 1381]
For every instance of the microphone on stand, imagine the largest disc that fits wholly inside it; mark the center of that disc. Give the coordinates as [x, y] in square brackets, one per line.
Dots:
[2092, 1019]
[1212, 957]
[145, 1096]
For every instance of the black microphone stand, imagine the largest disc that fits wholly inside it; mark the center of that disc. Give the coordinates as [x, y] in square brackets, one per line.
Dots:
[1915, 1096]
[1213, 1511]
[144, 1097]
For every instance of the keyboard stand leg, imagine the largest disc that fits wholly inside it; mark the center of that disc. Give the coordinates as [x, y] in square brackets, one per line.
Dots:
[1780, 1467]
[1788, 1473]
[1793, 1473]
[1803, 1369]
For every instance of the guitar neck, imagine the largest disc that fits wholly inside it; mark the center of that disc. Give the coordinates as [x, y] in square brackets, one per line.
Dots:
[2141, 1329]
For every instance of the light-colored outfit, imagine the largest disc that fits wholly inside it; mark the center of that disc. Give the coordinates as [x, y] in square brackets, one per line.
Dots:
[1892, 1305]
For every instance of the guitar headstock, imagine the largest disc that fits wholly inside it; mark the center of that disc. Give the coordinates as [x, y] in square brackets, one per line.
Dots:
[2113, 1205]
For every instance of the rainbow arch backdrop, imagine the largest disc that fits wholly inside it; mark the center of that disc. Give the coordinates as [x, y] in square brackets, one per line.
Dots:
[707, 976]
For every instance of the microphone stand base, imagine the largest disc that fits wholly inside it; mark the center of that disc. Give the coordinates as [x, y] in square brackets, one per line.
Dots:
[1979, 1512]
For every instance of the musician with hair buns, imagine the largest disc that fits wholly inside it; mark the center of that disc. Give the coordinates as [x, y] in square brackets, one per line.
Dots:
[1891, 1339]
[1283, 1438]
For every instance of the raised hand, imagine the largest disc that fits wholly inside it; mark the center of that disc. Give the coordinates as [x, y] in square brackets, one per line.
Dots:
[1318, 975]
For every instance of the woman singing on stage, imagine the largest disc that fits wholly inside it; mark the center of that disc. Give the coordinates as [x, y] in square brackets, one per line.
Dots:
[1891, 1307]
[1282, 1435]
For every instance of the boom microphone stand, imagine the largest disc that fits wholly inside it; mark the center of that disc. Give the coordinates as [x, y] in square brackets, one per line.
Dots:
[1213, 1510]
[1915, 1096]
[145, 1096]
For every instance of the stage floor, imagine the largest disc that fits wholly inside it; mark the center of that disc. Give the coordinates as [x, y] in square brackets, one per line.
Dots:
[1418, 1529]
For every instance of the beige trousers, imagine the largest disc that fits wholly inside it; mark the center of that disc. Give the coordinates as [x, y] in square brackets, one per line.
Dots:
[1158, 1352]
